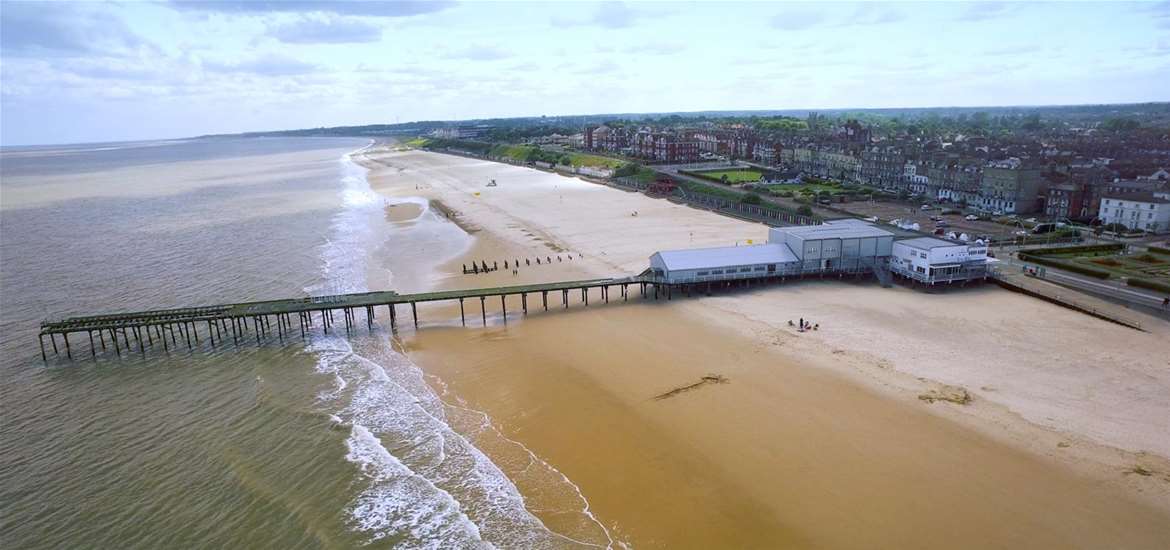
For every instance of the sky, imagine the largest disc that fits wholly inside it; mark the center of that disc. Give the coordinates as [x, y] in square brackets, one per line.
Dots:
[75, 72]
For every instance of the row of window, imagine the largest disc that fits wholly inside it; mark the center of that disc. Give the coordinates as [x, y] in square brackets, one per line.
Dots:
[730, 271]
[1122, 204]
[1132, 214]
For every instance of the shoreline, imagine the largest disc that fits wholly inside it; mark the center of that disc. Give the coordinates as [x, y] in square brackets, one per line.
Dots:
[985, 416]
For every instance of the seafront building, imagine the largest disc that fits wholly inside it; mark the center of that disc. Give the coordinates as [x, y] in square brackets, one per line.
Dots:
[1138, 211]
[929, 260]
[836, 247]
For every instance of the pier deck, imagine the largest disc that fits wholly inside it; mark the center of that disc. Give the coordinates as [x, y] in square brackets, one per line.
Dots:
[256, 317]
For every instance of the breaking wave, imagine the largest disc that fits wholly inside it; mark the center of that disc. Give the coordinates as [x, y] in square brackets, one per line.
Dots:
[422, 484]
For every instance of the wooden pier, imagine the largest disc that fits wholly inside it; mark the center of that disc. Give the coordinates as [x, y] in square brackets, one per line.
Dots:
[136, 331]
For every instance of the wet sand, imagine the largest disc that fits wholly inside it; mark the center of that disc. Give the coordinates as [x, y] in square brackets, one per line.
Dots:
[813, 440]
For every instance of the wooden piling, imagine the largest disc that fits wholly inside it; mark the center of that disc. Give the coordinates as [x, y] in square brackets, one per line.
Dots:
[483, 309]
[68, 352]
[92, 348]
[414, 314]
[504, 307]
[462, 317]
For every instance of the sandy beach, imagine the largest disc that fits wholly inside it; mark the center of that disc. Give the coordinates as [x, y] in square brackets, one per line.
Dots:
[835, 438]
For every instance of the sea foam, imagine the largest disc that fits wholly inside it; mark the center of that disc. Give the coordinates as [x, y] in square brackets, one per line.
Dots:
[423, 483]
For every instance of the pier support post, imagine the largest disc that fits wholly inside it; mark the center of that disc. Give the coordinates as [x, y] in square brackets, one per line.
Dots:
[114, 337]
[414, 314]
[53, 339]
[195, 331]
[92, 348]
[482, 310]
[565, 298]
[68, 352]
[161, 336]
[41, 338]
[101, 337]
[393, 317]
[504, 307]
[301, 318]
[544, 299]
[370, 318]
[138, 336]
[524, 302]
[462, 316]
[187, 335]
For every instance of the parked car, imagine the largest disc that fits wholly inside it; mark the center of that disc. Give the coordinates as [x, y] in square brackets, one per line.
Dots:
[926, 207]
[941, 224]
[935, 218]
[970, 217]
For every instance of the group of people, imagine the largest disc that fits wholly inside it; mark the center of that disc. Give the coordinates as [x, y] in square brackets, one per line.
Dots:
[804, 325]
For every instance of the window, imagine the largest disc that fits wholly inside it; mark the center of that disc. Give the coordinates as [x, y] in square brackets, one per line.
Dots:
[717, 272]
[703, 273]
[760, 268]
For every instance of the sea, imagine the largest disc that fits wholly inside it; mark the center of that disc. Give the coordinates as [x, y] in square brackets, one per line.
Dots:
[326, 441]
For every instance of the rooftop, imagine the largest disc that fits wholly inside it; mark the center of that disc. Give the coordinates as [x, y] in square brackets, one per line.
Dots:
[927, 243]
[836, 229]
[1140, 197]
[726, 256]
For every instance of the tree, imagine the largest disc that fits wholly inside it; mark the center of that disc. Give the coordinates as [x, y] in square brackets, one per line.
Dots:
[804, 210]
[751, 198]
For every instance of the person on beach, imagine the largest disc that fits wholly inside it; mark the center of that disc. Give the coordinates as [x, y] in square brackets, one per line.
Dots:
[801, 324]
[1165, 303]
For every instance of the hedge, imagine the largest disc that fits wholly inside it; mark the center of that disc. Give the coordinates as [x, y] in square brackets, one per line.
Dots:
[1076, 249]
[1067, 266]
[1146, 283]
[1158, 249]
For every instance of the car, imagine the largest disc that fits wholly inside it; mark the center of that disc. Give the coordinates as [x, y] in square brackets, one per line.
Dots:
[941, 224]
[935, 218]
[926, 207]
[970, 217]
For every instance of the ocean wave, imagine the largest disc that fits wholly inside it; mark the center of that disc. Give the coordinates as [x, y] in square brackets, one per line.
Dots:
[425, 484]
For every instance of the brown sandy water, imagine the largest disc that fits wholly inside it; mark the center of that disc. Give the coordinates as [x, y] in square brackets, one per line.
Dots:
[784, 453]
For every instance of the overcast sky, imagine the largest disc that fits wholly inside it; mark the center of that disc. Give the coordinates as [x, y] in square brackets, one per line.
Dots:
[77, 72]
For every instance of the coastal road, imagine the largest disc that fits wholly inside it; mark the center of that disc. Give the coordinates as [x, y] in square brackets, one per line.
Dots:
[1116, 291]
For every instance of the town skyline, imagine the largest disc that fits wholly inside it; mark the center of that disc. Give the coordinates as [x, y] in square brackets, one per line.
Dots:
[111, 72]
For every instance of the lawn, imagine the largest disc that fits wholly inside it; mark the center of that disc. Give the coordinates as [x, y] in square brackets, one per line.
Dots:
[742, 175]
[799, 188]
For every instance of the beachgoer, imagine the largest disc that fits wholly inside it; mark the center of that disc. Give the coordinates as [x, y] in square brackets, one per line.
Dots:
[1165, 303]
[790, 323]
[817, 326]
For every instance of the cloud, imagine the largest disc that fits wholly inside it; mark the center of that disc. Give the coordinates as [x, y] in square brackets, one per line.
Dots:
[874, 14]
[1013, 50]
[797, 20]
[983, 11]
[327, 30]
[46, 29]
[611, 15]
[270, 65]
[479, 53]
[397, 8]
[655, 48]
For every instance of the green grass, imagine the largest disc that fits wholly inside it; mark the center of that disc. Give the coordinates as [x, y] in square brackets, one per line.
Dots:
[799, 188]
[743, 175]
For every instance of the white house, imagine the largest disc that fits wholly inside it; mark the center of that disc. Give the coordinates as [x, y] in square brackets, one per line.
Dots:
[930, 260]
[1140, 211]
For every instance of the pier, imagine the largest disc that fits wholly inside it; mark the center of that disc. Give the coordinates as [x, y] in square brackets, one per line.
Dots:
[133, 332]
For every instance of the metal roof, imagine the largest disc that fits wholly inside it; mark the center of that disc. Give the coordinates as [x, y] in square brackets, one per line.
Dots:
[726, 256]
[927, 243]
[835, 230]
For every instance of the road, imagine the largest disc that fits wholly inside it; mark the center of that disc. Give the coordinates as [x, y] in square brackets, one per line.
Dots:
[1111, 289]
